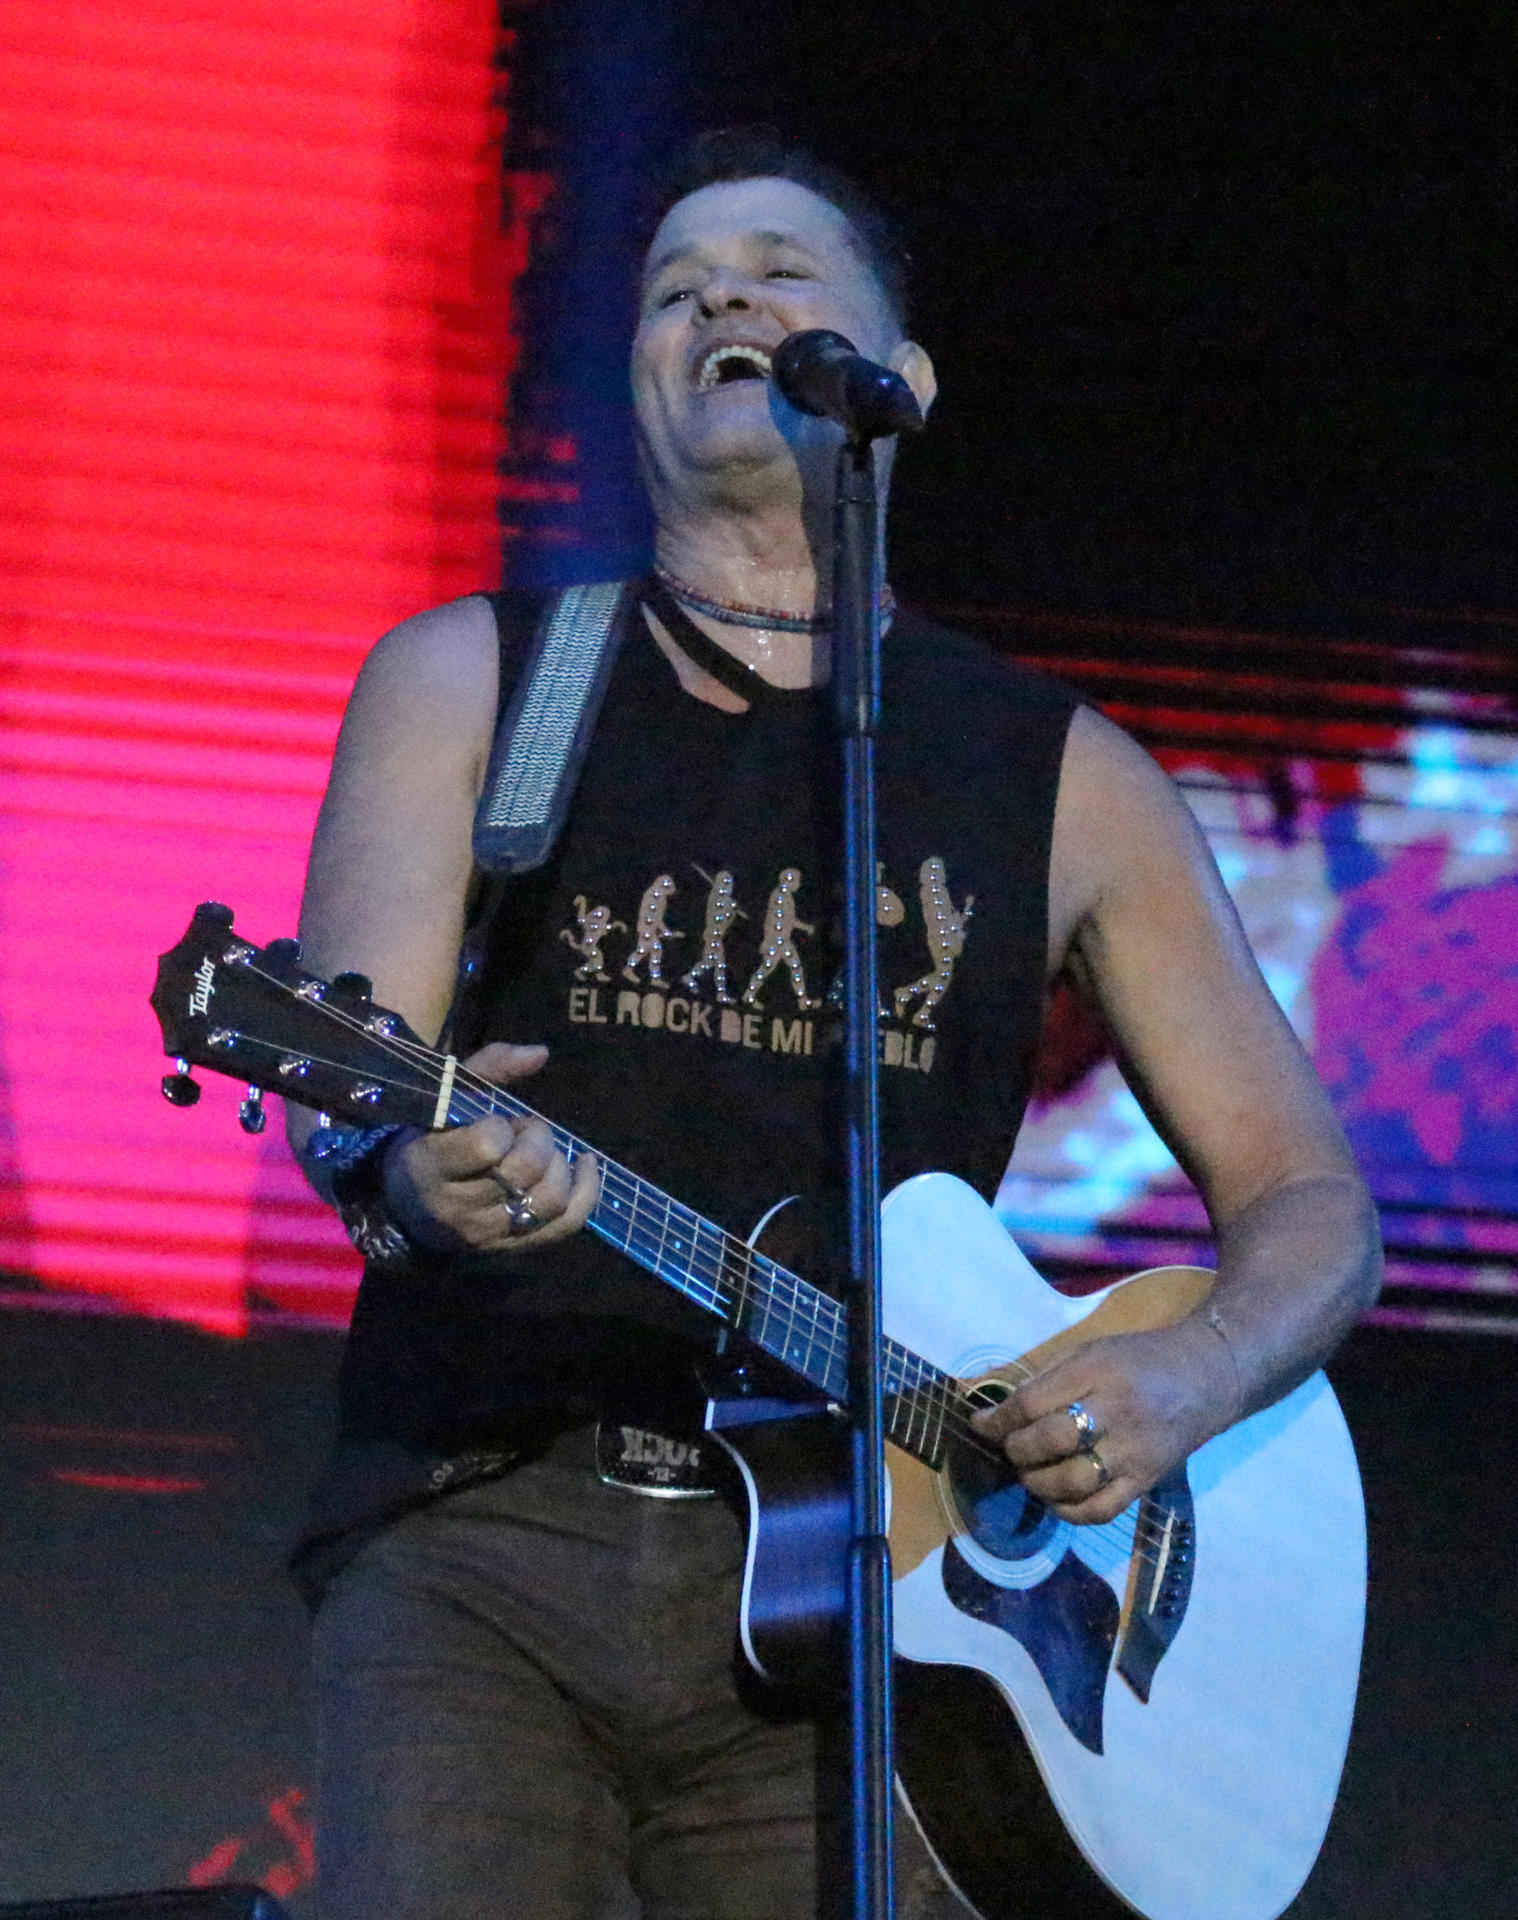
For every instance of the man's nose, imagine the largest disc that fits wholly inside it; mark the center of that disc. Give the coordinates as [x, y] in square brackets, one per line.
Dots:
[725, 293]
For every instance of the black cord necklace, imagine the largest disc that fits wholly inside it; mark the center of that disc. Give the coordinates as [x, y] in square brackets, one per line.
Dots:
[745, 681]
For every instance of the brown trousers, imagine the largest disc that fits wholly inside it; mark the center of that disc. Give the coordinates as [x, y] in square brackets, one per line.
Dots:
[529, 1709]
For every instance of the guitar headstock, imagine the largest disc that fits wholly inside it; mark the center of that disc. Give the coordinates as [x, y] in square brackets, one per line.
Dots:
[253, 1013]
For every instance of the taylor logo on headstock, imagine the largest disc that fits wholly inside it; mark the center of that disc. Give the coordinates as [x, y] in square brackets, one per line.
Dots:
[200, 996]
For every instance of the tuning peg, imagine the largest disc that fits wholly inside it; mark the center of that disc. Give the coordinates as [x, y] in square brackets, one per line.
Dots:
[178, 1088]
[354, 986]
[250, 1115]
[283, 949]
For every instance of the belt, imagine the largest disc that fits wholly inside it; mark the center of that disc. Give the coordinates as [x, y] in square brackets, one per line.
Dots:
[676, 1465]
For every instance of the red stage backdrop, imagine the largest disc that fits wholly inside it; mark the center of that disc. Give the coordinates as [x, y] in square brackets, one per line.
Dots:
[256, 345]
[255, 335]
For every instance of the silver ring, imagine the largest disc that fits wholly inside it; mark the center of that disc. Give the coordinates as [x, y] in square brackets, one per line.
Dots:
[518, 1206]
[1085, 1426]
[1103, 1471]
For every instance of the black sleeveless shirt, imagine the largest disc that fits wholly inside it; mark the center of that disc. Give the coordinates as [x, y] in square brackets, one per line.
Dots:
[678, 956]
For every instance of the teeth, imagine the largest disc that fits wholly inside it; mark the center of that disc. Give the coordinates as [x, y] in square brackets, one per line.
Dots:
[711, 363]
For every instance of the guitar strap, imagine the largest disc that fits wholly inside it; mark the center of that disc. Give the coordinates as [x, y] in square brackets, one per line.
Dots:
[543, 732]
[542, 736]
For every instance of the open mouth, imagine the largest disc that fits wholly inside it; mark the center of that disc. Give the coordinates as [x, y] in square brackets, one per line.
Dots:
[725, 366]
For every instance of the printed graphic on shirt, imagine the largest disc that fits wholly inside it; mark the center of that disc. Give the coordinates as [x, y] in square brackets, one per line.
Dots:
[779, 1011]
[946, 942]
[779, 950]
[721, 911]
[652, 933]
[594, 923]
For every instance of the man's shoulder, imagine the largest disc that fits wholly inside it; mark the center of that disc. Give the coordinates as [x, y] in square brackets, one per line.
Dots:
[466, 648]
[436, 671]
[439, 642]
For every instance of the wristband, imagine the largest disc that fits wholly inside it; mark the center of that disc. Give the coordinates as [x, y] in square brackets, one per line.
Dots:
[346, 1165]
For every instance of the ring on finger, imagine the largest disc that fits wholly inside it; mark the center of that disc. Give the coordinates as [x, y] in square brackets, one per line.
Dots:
[1085, 1426]
[520, 1212]
[1103, 1471]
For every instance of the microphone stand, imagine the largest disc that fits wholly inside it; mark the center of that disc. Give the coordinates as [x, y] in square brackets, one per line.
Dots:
[856, 696]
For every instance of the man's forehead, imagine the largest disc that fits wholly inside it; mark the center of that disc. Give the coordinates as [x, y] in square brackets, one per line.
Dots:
[758, 212]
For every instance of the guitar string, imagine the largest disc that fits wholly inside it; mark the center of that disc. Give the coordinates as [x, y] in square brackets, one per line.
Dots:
[938, 1388]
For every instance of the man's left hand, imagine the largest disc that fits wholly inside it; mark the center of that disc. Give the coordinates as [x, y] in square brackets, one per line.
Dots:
[1153, 1399]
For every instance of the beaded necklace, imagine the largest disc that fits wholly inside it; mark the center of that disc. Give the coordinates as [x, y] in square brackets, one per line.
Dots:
[734, 613]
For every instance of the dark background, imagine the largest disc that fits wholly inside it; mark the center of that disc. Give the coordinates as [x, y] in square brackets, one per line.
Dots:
[1220, 297]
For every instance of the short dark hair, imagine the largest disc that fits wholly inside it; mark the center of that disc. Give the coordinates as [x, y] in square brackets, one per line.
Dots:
[764, 153]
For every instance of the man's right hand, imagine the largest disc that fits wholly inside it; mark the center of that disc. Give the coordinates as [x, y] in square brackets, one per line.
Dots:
[454, 1191]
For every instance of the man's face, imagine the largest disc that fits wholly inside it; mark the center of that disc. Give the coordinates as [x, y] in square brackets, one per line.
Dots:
[733, 269]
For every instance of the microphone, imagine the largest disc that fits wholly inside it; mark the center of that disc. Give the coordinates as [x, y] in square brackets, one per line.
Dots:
[820, 372]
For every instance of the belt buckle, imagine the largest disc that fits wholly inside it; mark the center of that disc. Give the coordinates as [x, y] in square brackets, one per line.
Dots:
[661, 1466]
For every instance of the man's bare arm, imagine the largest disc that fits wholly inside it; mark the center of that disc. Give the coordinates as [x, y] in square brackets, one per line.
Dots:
[1139, 912]
[390, 862]
[385, 896]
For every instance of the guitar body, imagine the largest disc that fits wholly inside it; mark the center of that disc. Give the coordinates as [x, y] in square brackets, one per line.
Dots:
[1146, 1716]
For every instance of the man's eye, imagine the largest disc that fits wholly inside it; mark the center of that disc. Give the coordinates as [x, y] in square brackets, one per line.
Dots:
[786, 273]
[674, 294]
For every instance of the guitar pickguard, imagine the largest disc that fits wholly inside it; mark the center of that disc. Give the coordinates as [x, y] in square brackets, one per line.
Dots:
[1067, 1624]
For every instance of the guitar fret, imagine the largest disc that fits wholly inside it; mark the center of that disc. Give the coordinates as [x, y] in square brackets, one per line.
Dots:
[658, 1256]
[763, 1297]
[685, 1247]
[613, 1218]
[917, 1407]
[706, 1262]
[789, 1327]
[640, 1230]
[838, 1351]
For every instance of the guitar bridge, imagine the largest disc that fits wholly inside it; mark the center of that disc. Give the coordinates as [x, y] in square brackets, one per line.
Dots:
[1164, 1558]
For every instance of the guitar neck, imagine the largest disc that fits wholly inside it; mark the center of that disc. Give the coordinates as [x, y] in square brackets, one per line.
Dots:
[786, 1317]
[253, 1013]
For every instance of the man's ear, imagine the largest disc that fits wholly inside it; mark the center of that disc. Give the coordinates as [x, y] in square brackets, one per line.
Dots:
[914, 366]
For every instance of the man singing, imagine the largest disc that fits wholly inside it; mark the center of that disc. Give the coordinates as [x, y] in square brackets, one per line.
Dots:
[529, 1556]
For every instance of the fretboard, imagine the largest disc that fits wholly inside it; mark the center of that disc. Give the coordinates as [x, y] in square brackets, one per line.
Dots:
[786, 1317]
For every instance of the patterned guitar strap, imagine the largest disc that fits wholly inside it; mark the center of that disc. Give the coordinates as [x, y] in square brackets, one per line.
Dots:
[543, 732]
[542, 736]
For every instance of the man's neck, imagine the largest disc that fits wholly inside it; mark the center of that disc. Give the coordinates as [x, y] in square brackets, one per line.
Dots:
[751, 564]
[752, 560]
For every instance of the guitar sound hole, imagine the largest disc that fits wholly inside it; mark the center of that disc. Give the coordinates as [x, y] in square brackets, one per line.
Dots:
[999, 1514]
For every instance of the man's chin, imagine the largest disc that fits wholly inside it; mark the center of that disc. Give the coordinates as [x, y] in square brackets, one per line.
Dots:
[750, 445]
